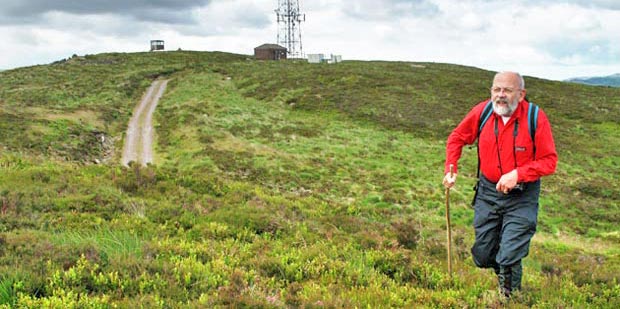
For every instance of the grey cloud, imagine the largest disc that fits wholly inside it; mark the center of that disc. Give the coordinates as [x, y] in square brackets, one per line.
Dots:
[22, 37]
[165, 16]
[232, 27]
[252, 17]
[228, 18]
[600, 4]
[592, 51]
[164, 11]
[258, 21]
[603, 4]
[373, 9]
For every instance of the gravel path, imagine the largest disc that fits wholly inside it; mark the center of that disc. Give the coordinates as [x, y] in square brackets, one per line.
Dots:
[139, 138]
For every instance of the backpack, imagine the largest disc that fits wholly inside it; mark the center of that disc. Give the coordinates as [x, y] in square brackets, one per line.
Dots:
[532, 120]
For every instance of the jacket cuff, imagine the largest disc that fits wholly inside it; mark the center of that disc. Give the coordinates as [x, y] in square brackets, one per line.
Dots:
[520, 174]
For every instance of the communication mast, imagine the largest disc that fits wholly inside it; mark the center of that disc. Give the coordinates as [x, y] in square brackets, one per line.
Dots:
[289, 32]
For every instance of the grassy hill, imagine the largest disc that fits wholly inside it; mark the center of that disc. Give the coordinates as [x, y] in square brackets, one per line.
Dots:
[283, 184]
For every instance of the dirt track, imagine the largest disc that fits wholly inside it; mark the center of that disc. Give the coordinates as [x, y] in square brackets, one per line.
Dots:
[139, 138]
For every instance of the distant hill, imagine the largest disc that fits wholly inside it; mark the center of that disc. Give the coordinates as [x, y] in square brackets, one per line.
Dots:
[611, 80]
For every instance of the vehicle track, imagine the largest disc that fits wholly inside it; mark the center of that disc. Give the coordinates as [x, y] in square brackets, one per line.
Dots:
[138, 145]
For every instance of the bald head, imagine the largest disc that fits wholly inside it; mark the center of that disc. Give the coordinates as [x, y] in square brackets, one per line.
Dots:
[513, 78]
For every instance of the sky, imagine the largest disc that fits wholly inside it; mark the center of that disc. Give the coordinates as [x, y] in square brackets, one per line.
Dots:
[542, 38]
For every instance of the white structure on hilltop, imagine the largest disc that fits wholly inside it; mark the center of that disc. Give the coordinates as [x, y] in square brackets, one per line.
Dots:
[320, 58]
[336, 58]
[315, 58]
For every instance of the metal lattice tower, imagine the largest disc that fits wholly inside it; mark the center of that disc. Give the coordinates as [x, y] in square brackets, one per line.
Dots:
[289, 32]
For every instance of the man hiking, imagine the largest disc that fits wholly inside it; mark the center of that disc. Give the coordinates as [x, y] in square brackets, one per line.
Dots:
[515, 149]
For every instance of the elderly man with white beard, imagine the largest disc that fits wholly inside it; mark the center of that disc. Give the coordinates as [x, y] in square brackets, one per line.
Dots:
[515, 149]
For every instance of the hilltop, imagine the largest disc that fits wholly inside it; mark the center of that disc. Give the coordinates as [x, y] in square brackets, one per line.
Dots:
[611, 80]
[282, 184]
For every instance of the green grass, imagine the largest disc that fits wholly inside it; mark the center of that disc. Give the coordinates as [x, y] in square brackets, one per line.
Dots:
[111, 243]
[283, 184]
[8, 297]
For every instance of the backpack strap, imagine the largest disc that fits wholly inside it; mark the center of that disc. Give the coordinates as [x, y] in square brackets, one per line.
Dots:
[484, 116]
[532, 120]
[532, 116]
[486, 113]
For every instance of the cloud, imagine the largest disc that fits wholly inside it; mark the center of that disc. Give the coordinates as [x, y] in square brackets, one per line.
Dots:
[574, 36]
[231, 17]
[577, 52]
[600, 4]
[530, 36]
[163, 11]
[388, 9]
[138, 18]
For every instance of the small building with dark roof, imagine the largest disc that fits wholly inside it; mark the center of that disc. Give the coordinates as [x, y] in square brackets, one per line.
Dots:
[157, 45]
[270, 52]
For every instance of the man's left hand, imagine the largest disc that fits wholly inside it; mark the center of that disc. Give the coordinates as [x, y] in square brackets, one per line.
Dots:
[507, 182]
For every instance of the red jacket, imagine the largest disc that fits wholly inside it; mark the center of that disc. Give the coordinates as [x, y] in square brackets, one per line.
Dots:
[528, 168]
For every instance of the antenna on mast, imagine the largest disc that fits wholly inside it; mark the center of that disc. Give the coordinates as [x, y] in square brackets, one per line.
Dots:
[289, 31]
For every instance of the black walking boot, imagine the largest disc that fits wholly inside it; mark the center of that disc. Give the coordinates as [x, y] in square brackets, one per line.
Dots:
[516, 274]
[505, 281]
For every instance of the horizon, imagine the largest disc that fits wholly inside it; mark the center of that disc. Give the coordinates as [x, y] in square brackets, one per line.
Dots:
[520, 37]
[568, 79]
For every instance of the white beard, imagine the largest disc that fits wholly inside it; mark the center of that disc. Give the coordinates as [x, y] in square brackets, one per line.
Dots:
[505, 110]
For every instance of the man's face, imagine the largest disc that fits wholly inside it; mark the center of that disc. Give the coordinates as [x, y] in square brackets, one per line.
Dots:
[506, 93]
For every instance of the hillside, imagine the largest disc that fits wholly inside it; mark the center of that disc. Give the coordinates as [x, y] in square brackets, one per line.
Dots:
[283, 184]
[611, 80]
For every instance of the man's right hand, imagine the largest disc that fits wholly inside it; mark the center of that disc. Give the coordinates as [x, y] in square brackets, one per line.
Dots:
[448, 181]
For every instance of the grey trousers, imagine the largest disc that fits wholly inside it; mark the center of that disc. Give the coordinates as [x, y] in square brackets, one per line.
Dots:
[504, 225]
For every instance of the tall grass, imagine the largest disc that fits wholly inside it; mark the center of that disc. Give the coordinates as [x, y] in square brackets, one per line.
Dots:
[8, 295]
[112, 243]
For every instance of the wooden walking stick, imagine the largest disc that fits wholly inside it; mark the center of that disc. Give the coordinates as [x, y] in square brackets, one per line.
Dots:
[448, 229]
